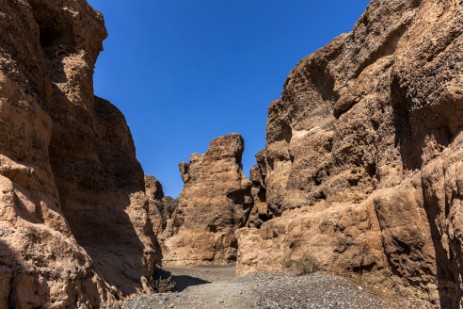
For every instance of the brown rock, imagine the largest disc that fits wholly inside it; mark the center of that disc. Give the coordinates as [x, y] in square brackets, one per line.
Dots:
[155, 194]
[362, 162]
[160, 212]
[215, 201]
[260, 211]
[73, 224]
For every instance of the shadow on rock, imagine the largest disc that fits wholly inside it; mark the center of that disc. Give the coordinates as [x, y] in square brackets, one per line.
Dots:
[163, 278]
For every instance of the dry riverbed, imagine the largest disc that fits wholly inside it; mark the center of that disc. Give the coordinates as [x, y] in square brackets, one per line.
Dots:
[216, 287]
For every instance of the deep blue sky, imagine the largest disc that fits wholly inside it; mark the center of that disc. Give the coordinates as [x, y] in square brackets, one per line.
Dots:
[186, 71]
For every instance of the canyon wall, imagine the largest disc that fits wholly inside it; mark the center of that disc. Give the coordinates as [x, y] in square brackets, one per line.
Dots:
[215, 201]
[74, 231]
[362, 168]
[161, 213]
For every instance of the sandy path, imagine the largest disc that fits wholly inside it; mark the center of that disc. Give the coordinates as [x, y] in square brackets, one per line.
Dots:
[216, 287]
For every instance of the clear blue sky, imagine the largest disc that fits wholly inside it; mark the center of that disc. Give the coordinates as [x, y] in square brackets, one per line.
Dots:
[186, 71]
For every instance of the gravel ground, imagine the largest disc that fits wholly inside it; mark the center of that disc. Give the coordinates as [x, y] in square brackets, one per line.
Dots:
[214, 287]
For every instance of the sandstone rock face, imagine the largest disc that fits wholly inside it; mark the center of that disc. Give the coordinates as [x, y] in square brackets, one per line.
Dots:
[74, 231]
[155, 194]
[259, 211]
[161, 210]
[215, 201]
[363, 160]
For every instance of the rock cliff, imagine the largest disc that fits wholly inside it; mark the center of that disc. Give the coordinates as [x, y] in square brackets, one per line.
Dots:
[161, 211]
[363, 161]
[74, 231]
[260, 211]
[155, 194]
[215, 201]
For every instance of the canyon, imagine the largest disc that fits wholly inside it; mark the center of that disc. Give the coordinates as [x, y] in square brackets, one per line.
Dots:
[361, 175]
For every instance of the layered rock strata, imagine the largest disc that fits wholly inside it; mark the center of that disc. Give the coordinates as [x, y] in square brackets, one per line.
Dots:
[215, 201]
[73, 223]
[155, 194]
[161, 210]
[363, 159]
[260, 211]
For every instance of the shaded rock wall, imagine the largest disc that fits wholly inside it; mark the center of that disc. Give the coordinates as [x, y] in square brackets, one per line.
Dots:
[155, 194]
[260, 211]
[73, 224]
[363, 155]
[215, 201]
[161, 212]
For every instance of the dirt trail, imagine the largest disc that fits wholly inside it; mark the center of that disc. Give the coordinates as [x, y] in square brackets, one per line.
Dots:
[216, 287]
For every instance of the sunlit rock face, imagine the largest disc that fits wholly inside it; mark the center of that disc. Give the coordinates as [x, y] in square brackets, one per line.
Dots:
[363, 161]
[215, 201]
[73, 223]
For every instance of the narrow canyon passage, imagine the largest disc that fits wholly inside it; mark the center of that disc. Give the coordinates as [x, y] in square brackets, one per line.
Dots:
[208, 287]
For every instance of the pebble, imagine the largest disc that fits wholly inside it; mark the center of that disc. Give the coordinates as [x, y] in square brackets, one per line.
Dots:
[259, 291]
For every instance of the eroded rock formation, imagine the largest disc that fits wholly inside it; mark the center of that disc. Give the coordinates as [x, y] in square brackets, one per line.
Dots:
[155, 194]
[259, 211]
[363, 160]
[73, 223]
[161, 211]
[215, 201]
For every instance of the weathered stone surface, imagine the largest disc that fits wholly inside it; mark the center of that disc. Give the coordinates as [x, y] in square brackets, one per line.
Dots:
[155, 194]
[260, 211]
[215, 201]
[161, 211]
[363, 156]
[73, 225]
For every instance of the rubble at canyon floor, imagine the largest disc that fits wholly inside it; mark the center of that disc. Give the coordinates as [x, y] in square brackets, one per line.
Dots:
[216, 287]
